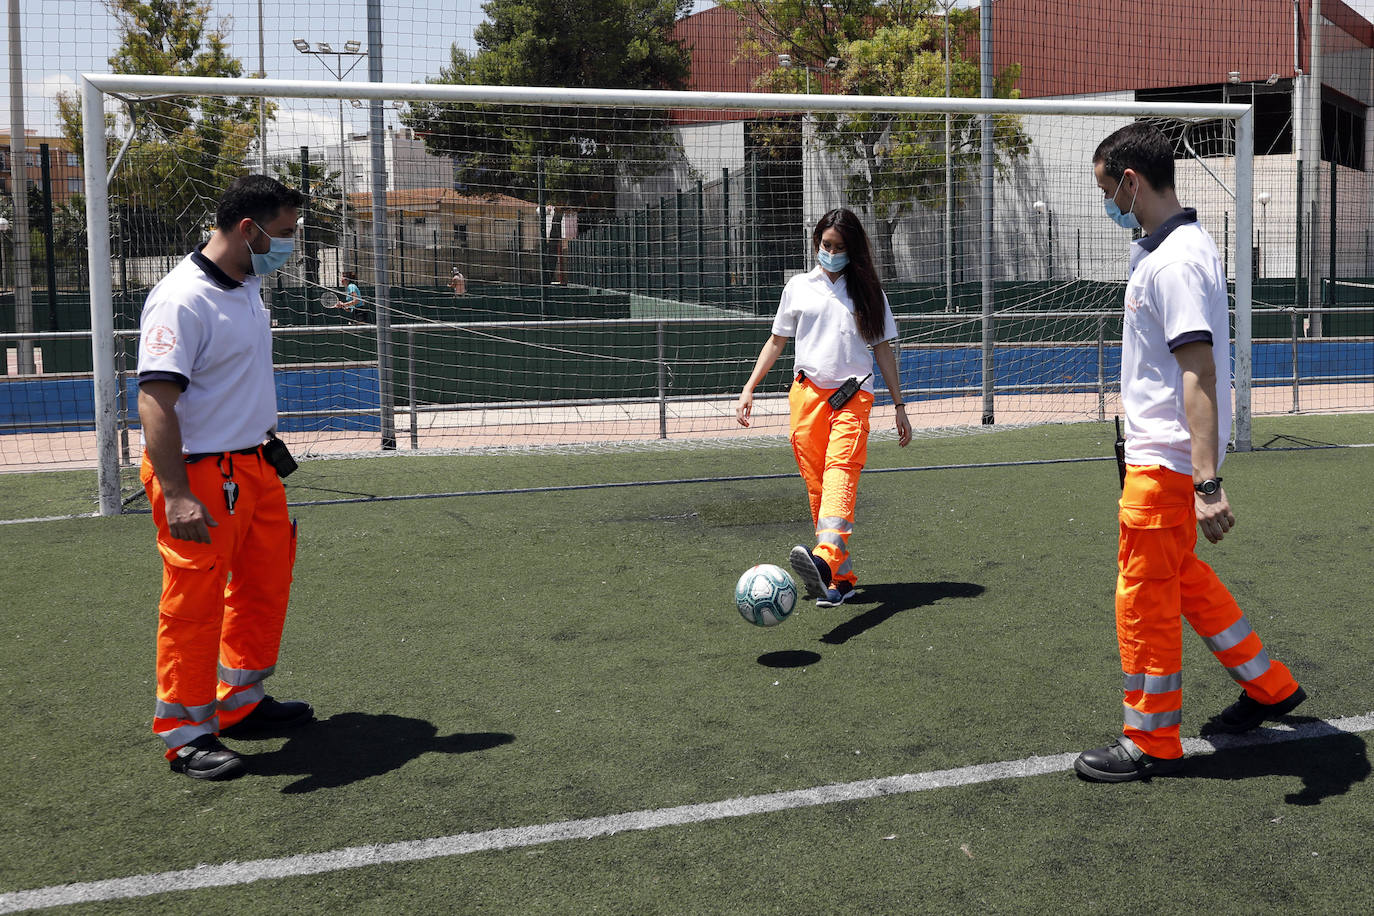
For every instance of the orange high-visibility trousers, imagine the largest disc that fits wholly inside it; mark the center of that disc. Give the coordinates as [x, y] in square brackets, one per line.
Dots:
[831, 447]
[1161, 581]
[223, 604]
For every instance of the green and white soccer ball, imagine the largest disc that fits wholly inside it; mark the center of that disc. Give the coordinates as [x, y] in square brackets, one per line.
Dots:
[765, 595]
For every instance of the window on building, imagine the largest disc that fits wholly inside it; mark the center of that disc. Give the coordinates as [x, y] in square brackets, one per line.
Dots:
[73, 160]
[460, 234]
[1273, 117]
[74, 185]
[1342, 130]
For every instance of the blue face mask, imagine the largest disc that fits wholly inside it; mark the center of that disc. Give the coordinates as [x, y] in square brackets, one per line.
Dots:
[275, 257]
[832, 262]
[1125, 220]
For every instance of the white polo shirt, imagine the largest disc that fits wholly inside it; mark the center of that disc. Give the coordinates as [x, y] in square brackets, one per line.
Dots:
[1176, 295]
[213, 337]
[819, 315]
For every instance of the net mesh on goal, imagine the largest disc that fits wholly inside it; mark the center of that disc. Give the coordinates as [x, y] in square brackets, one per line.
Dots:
[540, 274]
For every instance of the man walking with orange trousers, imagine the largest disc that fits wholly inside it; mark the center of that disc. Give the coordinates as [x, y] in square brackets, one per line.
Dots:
[208, 407]
[1175, 391]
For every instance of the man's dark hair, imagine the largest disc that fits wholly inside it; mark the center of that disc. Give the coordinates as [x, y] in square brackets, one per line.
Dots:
[1142, 147]
[255, 197]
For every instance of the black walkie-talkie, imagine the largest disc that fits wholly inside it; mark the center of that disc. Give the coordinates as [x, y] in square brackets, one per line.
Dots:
[841, 395]
[1120, 446]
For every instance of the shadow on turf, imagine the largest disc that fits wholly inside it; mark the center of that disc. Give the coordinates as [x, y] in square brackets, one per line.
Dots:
[892, 598]
[1328, 765]
[353, 746]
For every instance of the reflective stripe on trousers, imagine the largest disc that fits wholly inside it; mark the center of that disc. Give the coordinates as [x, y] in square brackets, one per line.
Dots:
[1161, 582]
[218, 634]
[831, 447]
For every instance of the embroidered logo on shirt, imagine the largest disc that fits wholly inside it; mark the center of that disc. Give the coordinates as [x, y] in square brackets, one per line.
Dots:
[159, 341]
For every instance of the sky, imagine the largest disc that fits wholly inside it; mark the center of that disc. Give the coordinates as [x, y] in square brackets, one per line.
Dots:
[64, 38]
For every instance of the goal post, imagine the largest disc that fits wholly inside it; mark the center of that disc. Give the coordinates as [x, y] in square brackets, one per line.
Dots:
[627, 251]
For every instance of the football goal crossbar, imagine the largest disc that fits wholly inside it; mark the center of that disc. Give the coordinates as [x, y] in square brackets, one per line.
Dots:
[668, 220]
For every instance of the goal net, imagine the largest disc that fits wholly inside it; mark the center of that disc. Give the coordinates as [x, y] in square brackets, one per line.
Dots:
[509, 267]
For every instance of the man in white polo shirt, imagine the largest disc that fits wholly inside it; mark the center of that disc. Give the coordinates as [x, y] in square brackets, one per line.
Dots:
[207, 404]
[1175, 390]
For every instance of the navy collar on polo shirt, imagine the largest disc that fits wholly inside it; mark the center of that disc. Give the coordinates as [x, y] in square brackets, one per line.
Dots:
[1156, 238]
[212, 270]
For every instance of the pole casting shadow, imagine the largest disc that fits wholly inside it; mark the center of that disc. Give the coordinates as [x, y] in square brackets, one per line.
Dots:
[354, 746]
[892, 598]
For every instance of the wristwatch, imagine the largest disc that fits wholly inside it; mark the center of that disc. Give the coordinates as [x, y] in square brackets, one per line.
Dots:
[1209, 486]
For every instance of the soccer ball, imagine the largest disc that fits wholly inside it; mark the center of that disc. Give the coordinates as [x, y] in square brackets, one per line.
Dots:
[765, 595]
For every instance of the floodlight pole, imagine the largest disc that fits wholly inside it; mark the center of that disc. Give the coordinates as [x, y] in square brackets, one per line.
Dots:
[19, 176]
[262, 100]
[949, 178]
[322, 52]
[382, 297]
[985, 255]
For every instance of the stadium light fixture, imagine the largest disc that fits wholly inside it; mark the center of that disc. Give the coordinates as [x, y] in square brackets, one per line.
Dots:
[786, 61]
[1233, 77]
[324, 53]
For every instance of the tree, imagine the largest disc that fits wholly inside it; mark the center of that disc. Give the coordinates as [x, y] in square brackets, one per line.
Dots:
[185, 149]
[612, 44]
[322, 217]
[895, 162]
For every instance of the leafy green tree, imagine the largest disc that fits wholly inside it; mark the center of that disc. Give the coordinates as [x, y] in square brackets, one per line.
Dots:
[322, 214]
[185, 150]
[578, 153]
[895, 162]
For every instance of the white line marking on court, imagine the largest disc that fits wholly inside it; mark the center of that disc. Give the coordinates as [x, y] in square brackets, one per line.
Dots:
[232, 873]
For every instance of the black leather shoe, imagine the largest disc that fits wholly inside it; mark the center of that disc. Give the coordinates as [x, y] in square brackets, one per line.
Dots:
[1246, 714]
[206, 758]
[271, 716]
[1122, 761]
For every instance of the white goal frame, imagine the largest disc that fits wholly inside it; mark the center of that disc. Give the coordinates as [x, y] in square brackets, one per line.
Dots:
[95, 88]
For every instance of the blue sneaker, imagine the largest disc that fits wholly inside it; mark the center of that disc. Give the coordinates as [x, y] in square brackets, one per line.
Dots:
[836, 595]
[808, 568]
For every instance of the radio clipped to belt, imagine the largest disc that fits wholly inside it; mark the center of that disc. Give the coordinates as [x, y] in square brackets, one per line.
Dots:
[277, 455]
[841, 395]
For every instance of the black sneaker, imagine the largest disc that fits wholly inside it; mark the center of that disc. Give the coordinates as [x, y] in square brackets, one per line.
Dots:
[1122, 761]
[1247, 713]
[836, 595]
[271, 716]
[206, 758]
[813, 572]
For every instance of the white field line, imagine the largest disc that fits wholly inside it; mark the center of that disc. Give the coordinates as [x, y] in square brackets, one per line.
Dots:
[232, 873]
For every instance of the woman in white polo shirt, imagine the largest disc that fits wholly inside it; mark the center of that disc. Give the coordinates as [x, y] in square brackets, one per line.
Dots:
[840, 318]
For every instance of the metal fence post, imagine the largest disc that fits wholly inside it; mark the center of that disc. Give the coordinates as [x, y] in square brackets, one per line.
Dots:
[410, 389]
[1101, 368]
[1296, 374]
[662, 382]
